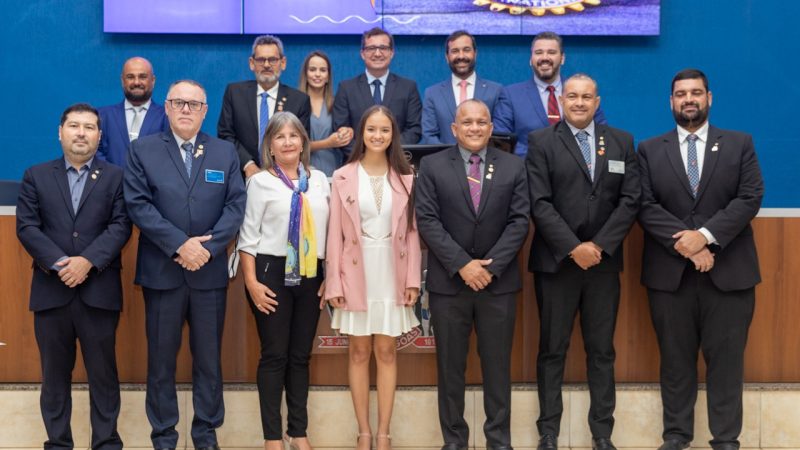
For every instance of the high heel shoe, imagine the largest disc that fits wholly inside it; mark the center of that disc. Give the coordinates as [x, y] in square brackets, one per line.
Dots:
[288, 442]
[383, 436]
[364, 435]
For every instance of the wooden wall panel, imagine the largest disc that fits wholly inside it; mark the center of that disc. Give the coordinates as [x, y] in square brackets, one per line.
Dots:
[771, 354]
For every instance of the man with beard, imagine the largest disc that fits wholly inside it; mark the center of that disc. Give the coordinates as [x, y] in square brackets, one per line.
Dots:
[441, 100]
[701, 187]
[533, 104]
[135, 116]
[584, 188]
[378, 86]
[248, 105]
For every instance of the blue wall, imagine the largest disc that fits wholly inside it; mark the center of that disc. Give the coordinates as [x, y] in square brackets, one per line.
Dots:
[54, 53]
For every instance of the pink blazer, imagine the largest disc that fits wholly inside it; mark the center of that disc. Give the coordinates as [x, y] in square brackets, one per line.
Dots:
[344, 271]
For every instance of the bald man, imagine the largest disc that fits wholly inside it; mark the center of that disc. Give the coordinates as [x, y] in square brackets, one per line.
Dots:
[137, 115]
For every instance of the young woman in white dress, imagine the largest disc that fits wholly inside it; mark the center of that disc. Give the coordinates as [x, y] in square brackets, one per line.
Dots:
[373, 263]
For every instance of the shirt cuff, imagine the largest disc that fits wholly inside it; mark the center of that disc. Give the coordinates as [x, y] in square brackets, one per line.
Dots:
[247, 164]
[709, 237]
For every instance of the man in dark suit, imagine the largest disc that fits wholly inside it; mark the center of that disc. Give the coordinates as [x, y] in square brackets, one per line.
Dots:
[137, 115]
[533, 104]
[184, 192]
[701, 187]
[584, 189]
[441, 99]
[71, 219]
[248, 105]
[472, 211]
[377, 85]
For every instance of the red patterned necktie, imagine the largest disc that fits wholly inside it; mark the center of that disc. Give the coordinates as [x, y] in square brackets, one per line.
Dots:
[474, 179]
[553, 115]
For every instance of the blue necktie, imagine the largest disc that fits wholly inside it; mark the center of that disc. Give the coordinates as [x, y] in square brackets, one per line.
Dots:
[376, 94]
[692, 170]
[262, 124]
[187, 158]
[583, 142]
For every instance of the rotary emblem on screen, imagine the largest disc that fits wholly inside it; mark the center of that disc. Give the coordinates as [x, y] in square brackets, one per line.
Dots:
[536, 7]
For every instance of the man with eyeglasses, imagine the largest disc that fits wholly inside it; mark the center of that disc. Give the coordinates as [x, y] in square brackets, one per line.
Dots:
[248, 105]
[378, 86]
[184, 192]
[137, 115]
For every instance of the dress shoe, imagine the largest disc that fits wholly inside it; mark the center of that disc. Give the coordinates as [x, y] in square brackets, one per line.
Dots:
[454, 447]
[547, 442]
[166, 448]
[602, 444]
[501, 447]
[726, 446]
[210, 447]
[673, 444]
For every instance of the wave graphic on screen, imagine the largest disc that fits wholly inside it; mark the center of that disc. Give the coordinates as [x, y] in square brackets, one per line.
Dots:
[332, 20]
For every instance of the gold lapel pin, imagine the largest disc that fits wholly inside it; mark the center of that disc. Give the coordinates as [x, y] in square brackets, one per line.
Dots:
[602, 151]
[488, 176]
[94, 176]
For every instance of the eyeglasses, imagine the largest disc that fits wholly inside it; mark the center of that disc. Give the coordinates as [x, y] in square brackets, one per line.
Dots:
[375, 48]
[272, 61]
[178, 104]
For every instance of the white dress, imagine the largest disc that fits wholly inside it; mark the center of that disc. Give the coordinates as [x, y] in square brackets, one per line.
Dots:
[383, 314]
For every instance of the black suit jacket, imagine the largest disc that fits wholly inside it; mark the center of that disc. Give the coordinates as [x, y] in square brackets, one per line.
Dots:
[728, 197]
[49, 228]
[238, 119]
[455, 234]
[400, 96]
[568, 207]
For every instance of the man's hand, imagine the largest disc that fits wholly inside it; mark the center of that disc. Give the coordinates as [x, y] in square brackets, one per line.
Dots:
[703, 260]
[74, 270]
[475, 275]
[192, 255]
[586, 255]
[251, 170]
[689, 242]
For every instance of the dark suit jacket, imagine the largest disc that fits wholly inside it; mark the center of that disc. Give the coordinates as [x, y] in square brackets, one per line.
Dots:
[568, 207]
[238, 119]
[728, 198]
[524, 112]
[114, 142]
[400, 96]
[455, 234]
[439, 108]
[169, 207]
[48, 228]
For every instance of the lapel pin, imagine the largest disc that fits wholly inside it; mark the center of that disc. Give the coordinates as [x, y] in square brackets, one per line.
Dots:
[489, 176]
[94, 176]
[491, 168]
[602, 151]
[199, 152]
[349, 200]
[715, 147]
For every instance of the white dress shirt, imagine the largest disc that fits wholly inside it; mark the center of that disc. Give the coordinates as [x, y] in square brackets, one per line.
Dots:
[700, 143]
[456, 82]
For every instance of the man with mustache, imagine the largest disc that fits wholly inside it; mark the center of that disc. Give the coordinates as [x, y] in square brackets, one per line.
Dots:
[701, 187]
[248, 105]
[137, 115]
[441, 100]
[533, 104]
[377, 85]
[584, 187]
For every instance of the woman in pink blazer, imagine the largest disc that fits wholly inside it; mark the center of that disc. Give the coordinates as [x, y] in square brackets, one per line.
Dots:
[373, 263]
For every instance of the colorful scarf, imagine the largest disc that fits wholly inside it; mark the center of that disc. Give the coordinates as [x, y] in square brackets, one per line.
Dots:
[301, 248]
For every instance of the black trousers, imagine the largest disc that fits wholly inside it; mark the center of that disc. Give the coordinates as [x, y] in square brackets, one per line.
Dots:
[165, 313]
[56, 331]
[559, 297]
[287, 336]
[453, 317]
[700, 316]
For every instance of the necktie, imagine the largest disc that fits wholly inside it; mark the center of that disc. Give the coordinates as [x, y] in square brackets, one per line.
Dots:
[187, 157]
[136, 123]
[692, 170]
[586, 150]
[462, 92]
[376, 93]
[474, 179]
[262, 124]
[553, 115]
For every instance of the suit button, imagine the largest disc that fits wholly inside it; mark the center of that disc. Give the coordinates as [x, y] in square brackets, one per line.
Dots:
[400, 237]
[74, 234]
[693, 213]
[591, 197]
[355, 261]
[355, 241]
[402, 254]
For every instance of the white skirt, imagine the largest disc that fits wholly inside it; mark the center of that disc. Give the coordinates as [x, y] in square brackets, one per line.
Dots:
[383, 314]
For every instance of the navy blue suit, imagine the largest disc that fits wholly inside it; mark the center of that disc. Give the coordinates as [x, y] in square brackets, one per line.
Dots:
[524, 112]
[169, 207]
[439, 108]
[114, 142]
[49, 228]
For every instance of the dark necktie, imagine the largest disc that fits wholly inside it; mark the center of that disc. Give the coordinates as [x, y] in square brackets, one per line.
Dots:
[586, 150]
[187, 158]
[262, 124]
[376, 94]
[474, 180]
[553, 115]
[692, 169]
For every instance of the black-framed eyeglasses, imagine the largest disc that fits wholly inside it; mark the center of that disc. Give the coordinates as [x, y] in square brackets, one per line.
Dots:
[272, 61]
[375, 48]
[178, 104]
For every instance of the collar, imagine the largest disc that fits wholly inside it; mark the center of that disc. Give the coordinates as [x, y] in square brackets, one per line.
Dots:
[181, 141]
[701, 133]
[144, 106]
[85, 165]
[272, 92]
[589, 129]
[465, 154]
[454, 80]
[371, 78]
[542, 86]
